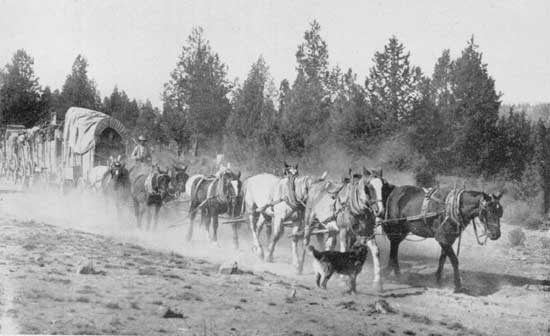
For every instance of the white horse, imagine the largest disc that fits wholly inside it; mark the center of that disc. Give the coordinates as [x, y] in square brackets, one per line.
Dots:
[268, 198]
[344, 209]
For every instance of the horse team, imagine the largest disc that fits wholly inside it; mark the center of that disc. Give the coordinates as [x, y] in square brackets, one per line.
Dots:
[348, 210]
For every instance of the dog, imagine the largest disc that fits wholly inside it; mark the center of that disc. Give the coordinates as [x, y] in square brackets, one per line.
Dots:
[326, 263]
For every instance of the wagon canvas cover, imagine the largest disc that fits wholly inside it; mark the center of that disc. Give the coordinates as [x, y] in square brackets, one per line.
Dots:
[82, 126]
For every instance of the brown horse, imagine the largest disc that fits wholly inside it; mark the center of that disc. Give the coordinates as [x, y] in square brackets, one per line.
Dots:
[150, 188]
[439, 214]
[213, 196]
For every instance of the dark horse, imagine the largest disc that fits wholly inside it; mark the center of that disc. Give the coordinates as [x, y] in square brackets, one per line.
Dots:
[115, 184]
[439, 214]
[213, 196]
[178, 178]
[150, 188]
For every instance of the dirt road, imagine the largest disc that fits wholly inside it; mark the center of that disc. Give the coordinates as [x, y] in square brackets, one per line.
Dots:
[47, 240]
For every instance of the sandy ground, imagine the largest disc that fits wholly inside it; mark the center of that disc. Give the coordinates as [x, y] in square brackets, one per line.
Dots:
[47, 239]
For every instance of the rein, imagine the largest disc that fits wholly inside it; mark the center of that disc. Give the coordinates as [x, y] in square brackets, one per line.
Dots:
[477, 236]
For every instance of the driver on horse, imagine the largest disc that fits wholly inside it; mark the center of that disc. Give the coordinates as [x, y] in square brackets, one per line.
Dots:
[141, 152]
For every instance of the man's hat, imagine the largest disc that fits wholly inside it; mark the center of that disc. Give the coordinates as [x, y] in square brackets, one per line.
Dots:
[142, 138]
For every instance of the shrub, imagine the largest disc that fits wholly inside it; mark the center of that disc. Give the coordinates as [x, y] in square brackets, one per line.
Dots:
[533, 222]
[516, 237]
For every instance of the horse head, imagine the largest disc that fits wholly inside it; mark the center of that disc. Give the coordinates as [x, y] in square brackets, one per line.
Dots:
[231, 188]
[378, 188]
[162, 180]
[490, 212]
[290, 170]
[118, 169]
[178, 178]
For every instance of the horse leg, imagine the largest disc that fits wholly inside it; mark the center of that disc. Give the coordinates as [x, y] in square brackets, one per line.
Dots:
[148, 215]
[268, 228]
[156, 216]
[307, 236]
[393, 261]
[205, 223]
[295, 240]
[454, 261]
[278, 232]
[330, 243]
[439, 271]
[254, 219]
[137, 212]
[214, 231]
[343, 239]
[377, 281]
[191, 224]
[235, 227]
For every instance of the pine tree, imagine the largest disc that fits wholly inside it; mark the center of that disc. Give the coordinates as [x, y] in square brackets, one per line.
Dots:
[195, 97]
[474, 113]
[252, 125]
[541, 162]
[79, 90]
[352, 119]
[119, 106]
[150, 124]
[393, 84]
[514, 144]
[307, 111]
[20, 93]
[427, 131]
[441, 83]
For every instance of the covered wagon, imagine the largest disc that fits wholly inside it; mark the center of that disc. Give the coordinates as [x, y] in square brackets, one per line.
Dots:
[90, 138]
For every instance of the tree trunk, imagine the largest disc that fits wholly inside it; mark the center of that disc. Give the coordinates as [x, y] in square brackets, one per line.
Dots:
[196, 147]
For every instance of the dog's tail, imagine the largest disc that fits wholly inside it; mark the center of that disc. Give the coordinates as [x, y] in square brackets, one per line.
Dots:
[316, 254]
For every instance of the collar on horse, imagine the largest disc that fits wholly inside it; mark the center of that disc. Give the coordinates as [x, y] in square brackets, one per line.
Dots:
[151, 182]
[452, 208]
[291, 199]
[349, 196]
[453, 213]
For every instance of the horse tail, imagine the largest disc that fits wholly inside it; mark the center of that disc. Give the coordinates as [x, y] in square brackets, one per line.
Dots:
[243, 196]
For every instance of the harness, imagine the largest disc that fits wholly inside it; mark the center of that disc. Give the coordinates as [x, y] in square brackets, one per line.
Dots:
[151, 182]
[289, 197]
[215, 191]
[350, 200]
[451, 213]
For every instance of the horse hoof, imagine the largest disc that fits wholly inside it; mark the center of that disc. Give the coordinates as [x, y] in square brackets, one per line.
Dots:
[268, 259]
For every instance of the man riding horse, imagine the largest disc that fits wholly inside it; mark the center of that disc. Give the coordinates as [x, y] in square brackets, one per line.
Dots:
[141, 152]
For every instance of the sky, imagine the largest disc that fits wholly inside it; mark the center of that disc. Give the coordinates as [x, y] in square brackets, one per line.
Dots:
[135, 44]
